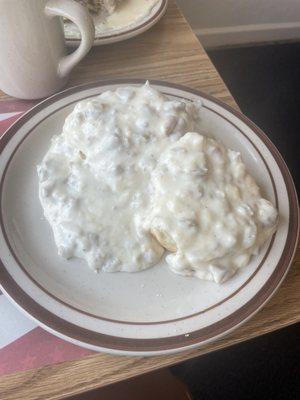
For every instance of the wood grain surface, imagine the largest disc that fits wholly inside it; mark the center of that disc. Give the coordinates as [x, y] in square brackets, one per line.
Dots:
[171, 52]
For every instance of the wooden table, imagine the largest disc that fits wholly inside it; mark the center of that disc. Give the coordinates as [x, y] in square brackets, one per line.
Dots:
[169, 51]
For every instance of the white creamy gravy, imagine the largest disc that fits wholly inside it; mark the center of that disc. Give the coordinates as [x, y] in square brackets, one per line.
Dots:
[124, 172]
[95, 178]
[209, 208]
[127, 13]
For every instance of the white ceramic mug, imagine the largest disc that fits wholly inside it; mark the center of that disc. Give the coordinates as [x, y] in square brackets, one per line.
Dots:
[33, 58]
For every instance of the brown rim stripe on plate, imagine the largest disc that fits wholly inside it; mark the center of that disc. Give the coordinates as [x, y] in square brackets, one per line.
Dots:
[40, 286]
[74, 332]
[123, 33]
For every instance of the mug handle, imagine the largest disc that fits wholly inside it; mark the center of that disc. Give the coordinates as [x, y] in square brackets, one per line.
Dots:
[79, 16]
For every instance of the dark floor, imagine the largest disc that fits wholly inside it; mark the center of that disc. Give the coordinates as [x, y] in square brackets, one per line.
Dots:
[266, 368]
[265, 82]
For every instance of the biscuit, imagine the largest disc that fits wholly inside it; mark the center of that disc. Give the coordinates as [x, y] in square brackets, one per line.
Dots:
[164, 239]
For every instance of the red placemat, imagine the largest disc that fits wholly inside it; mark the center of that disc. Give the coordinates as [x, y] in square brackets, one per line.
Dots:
[24, 345]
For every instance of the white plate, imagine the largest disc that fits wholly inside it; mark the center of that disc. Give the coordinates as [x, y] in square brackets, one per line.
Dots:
[150, 312]
[117, 35]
